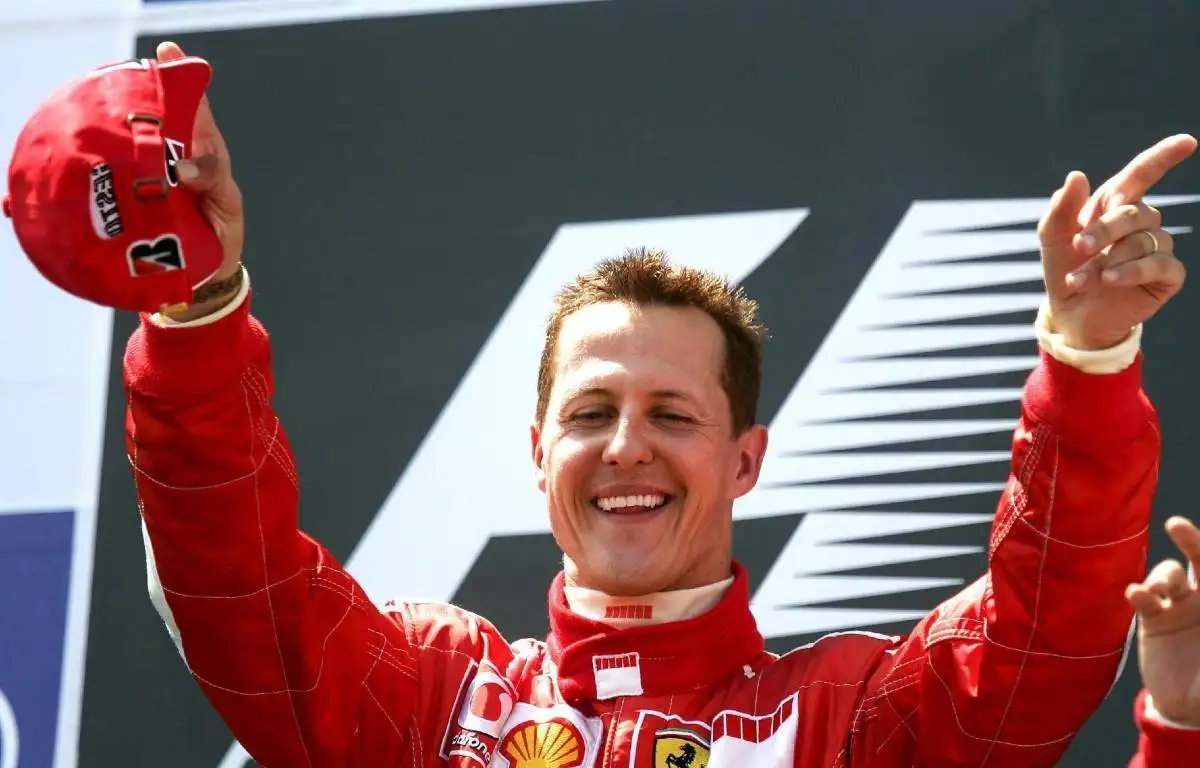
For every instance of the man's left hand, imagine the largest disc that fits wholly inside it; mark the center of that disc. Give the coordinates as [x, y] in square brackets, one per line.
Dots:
[1107, 262]
[1168, 608]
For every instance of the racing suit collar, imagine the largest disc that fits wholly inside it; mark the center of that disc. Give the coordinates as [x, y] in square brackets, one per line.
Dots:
[658, 608]
[596, 661]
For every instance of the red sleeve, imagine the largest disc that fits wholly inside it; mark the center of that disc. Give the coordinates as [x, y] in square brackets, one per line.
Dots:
[303, 668]
[1007, 671]
[1161, 745]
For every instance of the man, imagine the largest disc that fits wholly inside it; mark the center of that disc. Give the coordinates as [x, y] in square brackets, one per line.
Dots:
[1168, 608]
[645, 435]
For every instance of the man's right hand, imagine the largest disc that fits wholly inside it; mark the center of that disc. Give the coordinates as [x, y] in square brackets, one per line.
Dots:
[209, 173]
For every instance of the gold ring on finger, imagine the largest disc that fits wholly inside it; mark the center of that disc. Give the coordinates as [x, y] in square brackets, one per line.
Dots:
[1153, 242]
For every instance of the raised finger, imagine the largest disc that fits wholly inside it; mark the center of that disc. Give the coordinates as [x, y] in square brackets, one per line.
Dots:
[168, 51]
[1143, 601]
[1061, 219]
[1186, 536]
[1148, 168]
[1115, 224]
[1056, 230]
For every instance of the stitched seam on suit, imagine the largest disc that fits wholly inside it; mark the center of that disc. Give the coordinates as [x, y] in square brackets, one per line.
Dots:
[383, 709]
[132, 458]
[274, 448]
[1037, 601]
[270, 605]
[902, 723]
[384, 656]
[1015, 490]
[415, 728]
[991, 740]
[255, 593]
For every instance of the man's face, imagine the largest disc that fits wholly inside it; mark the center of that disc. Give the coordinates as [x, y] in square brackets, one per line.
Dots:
[637, 455]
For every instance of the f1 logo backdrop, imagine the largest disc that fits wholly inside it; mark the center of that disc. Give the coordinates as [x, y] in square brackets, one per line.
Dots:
[875, 434]
[875, 178]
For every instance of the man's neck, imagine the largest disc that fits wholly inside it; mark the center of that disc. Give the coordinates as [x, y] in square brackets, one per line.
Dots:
[656, 608]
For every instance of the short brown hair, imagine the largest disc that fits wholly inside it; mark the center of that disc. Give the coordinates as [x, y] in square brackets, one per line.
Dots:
[646, 277]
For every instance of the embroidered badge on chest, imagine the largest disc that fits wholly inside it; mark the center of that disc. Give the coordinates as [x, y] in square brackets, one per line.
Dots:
[548, 737]
[668, 741]
[731, 740]
[486, 703]
[617, 675]
[679, 748]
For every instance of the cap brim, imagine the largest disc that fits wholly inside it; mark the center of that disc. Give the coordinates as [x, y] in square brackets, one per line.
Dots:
[184, 82]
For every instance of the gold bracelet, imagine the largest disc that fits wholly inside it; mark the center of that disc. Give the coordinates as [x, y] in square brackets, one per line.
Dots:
[207, 292]
[214, 290]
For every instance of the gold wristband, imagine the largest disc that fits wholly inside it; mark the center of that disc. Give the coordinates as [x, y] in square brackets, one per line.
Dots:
[219, 288]
[208, 292]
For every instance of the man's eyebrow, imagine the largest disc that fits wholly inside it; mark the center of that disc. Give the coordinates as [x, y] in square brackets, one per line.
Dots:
[672, 394]
[661, 394]
[575, 394]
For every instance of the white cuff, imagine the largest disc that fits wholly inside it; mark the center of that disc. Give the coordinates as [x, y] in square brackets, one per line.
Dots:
[162, 320]
[1111, 360]
[1154, 714]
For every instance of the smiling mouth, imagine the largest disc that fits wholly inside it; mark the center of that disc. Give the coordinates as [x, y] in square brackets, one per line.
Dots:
[626, 505]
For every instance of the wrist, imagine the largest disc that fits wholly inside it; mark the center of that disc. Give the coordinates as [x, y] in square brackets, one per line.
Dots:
[1093, 343]
[210, 297]
[1109, 359]
[1186, 720]
[1076, 338]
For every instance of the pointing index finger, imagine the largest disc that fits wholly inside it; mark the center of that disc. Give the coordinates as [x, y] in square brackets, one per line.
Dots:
[1148, 168]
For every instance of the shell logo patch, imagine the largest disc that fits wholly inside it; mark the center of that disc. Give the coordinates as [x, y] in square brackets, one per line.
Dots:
[555, 743]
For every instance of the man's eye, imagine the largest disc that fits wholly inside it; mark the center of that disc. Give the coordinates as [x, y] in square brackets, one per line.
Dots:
[677, 417]
[587, 416]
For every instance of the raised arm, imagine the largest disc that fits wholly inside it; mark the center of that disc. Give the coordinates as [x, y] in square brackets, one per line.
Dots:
[303, 668]
[1008, 670]
[300, 664]
[283, 643]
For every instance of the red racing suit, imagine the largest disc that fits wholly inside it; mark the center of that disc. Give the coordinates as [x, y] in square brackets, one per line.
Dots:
[1163, 744]
[307, 671]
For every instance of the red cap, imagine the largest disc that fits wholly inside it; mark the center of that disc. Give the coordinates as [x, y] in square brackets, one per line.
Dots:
[92, 190]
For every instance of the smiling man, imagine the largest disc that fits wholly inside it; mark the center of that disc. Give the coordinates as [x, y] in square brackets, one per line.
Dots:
[645, 430]
[644, 437]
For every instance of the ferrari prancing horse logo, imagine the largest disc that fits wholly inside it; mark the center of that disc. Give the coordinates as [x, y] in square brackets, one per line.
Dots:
[679, 748]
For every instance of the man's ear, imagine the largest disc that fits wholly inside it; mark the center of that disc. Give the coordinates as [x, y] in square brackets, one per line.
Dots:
[752, 448]
[539, 471]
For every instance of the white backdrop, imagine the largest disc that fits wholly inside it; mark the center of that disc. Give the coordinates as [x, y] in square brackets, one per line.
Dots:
[54, 349]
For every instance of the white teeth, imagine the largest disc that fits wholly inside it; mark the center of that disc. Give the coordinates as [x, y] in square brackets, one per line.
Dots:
[648, 501]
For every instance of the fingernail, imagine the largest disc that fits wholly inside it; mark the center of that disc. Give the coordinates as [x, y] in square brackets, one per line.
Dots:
[1076, 279]
[1116, 200]
[1109, 275]
[187, 170]
[1087, 241]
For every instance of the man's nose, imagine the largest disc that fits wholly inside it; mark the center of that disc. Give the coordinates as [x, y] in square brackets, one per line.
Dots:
[628, 446]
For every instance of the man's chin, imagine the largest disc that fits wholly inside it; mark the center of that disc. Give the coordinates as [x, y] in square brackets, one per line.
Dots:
[629, 574]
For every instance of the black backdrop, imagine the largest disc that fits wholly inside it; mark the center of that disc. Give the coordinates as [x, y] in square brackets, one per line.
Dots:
[403, 174]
